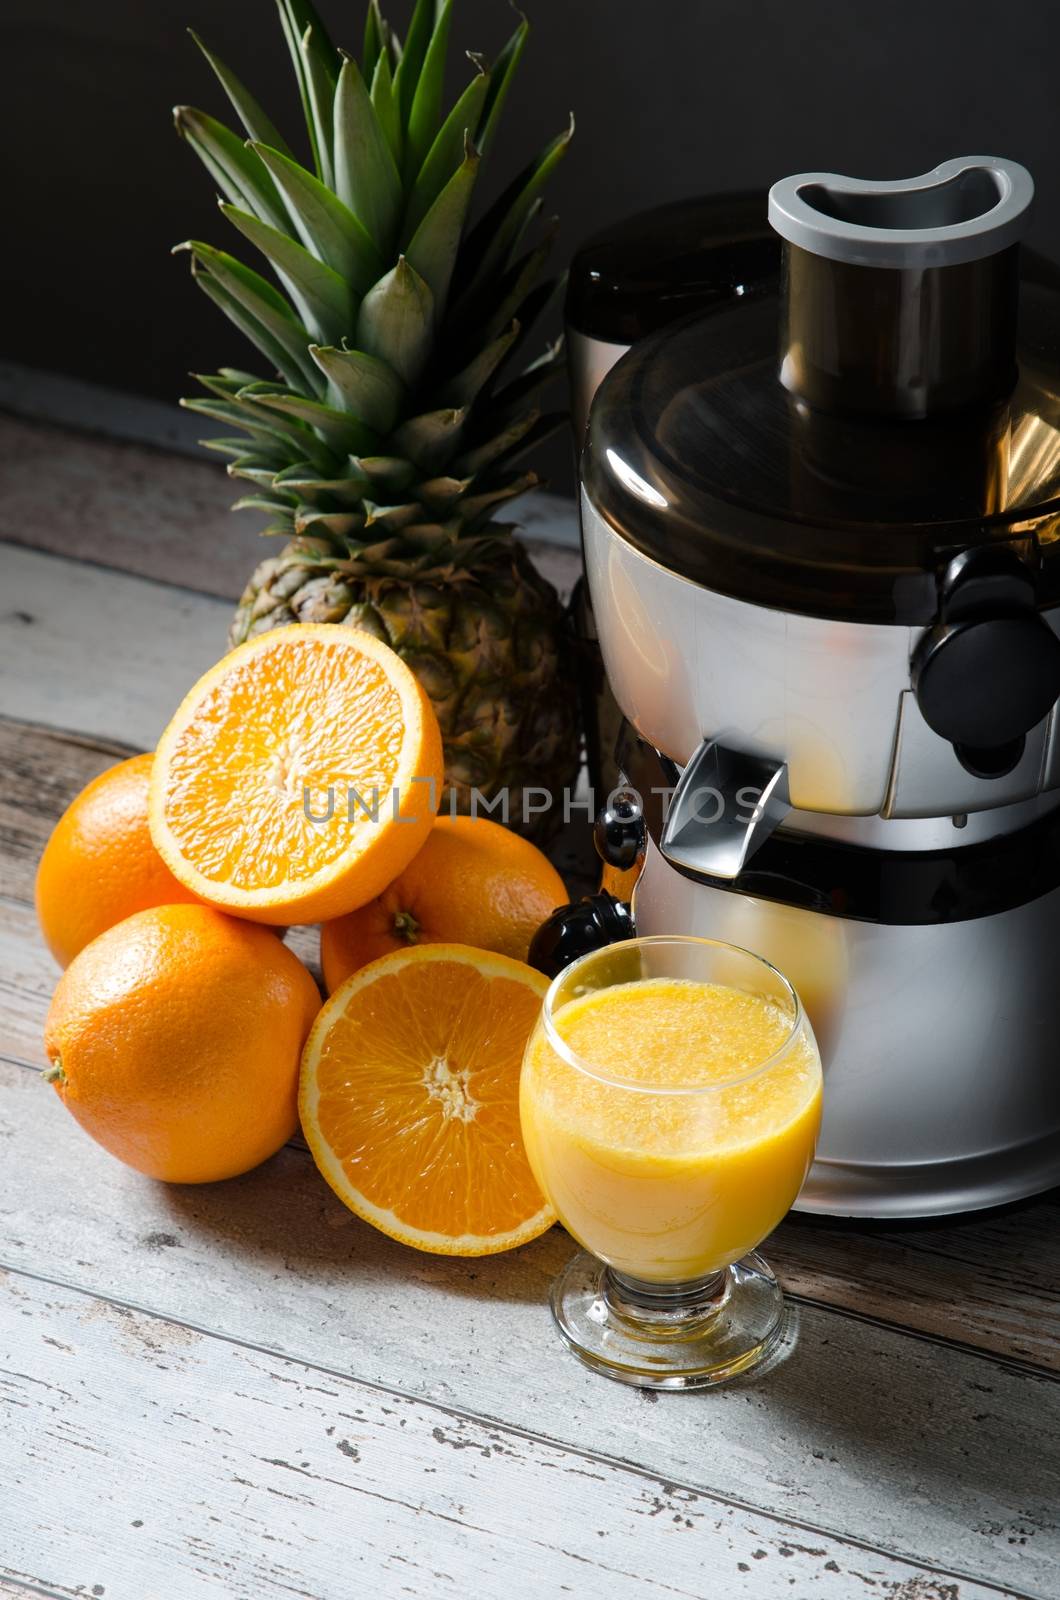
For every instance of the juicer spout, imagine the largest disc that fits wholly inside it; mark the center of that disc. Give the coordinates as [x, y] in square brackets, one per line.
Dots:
[725, 805]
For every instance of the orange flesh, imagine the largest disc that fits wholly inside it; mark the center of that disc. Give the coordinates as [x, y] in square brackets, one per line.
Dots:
[416, 1083]
[239, 772]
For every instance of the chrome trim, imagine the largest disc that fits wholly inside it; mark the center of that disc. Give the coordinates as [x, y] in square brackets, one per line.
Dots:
[724, 806]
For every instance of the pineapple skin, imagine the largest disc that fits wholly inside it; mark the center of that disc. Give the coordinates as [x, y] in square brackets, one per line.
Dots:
[489, 642]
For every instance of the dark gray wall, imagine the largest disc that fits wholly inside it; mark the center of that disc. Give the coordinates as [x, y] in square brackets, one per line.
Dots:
[671, 97]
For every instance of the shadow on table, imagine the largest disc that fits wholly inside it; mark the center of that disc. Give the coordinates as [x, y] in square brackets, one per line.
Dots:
[283, 1217]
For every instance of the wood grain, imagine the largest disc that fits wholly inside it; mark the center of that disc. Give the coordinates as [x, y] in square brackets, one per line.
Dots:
[14, 1589]
[108, 656]
[151, 514]
[41, 771]
[227, 1471]
[915, 1447]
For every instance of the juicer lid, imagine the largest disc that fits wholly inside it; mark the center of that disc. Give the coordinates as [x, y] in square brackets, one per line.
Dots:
[829, 446]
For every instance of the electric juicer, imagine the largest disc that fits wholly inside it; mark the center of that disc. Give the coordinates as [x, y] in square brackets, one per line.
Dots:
[821, 528]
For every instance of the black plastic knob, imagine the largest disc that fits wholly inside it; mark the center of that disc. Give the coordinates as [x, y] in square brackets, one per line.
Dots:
[618, 832]
[575, 930]
[990, 670]
[984, 684]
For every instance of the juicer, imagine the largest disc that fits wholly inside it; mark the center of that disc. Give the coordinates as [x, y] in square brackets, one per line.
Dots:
[821, 529]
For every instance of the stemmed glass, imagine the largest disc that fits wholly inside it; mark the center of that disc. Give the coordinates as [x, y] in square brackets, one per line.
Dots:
[670, 1101]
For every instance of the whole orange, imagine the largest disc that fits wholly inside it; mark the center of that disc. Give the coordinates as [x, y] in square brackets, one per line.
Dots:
[175, 1037]
[99, 866]
[473, 883]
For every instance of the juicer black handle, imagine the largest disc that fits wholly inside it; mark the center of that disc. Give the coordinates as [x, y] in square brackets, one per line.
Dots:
[596, 920]
[989, 670]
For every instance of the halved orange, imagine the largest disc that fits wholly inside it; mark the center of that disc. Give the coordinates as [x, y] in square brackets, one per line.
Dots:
[298, 777]
[409, 1098]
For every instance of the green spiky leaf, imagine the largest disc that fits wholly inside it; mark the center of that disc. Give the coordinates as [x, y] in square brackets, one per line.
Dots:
[466, 385]
[337, 524]
[296, 17]
[326, 227]
[430, 440]
[389, 474]
[487, 454]
[374, 40]
[337, 428]
[258, 335]
[425, 112]
[386, 107]
[263, 502]
[484, 504]
[487, 310]
[500, 82]
[366, 175]
[392, 518]
[433, 247]
[408, 69]
[493, 239]
[270, 430]
[370, 387]
[257, 310]
[396, 322]
[255, 121]
[440, 495]
[325, 301]
[237, 170]
[320, 88]
[511, 402]
[348, 488]
[447, 151]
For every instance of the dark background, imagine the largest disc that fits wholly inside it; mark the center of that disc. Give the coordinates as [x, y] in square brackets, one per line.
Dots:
[671, 97]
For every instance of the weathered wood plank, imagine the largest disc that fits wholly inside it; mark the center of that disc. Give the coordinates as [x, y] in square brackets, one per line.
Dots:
[228, 1471]
[988, 1281]
[905, 1443]
[13, 1589]
[106, 655]
[153, 514]
[112, 656]
[40, 772]
[27, 977]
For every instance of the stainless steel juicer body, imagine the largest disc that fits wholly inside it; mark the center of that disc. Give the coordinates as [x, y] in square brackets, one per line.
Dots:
[824, 587]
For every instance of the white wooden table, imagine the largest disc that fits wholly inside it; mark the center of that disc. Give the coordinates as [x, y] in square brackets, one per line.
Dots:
[241, 1392]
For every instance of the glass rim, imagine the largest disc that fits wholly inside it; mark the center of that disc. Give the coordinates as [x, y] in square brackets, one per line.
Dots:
[579, 1064]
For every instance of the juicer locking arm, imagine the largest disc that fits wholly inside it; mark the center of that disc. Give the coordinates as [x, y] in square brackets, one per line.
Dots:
[989, 670]
[725, 805]
[596, 919]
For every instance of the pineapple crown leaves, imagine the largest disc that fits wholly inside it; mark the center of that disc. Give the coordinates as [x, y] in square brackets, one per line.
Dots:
[390, 415]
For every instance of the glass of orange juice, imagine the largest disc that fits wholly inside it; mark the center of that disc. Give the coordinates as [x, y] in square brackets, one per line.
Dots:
[670, 1100]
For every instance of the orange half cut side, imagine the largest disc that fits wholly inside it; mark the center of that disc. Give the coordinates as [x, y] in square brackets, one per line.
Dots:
[409, 1098]
[298, 777]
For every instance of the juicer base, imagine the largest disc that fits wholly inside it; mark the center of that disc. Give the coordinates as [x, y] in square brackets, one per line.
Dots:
[932, 1189]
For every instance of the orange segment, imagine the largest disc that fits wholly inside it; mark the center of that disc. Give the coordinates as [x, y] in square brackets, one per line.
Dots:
[298, 777]
[410, 1098]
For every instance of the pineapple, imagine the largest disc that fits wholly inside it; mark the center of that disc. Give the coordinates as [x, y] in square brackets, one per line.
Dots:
[388, 429]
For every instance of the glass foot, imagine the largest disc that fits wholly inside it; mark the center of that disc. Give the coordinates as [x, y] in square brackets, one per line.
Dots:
[669, 1336]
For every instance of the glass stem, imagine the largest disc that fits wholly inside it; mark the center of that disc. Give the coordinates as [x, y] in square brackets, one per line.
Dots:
[665, 1305]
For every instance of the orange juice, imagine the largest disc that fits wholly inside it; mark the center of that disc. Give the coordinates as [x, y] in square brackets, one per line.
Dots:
[685, 1133]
